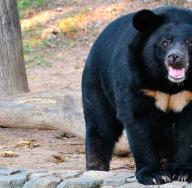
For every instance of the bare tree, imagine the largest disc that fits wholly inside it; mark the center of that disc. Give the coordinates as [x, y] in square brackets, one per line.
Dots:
[13, 79]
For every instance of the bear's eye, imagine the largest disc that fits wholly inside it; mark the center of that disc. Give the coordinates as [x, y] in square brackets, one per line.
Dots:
[165, 43]
[189, 42]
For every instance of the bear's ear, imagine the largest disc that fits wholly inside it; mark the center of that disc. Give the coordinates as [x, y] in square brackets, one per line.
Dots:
[146, 21]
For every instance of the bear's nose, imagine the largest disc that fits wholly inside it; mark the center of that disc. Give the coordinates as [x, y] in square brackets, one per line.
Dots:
[175, 60]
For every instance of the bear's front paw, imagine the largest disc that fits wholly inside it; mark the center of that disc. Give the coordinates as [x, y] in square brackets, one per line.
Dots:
[183, 175]
[150, 177]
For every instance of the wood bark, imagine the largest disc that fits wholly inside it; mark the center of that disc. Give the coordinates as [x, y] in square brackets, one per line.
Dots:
[12, 68]
[48, 110]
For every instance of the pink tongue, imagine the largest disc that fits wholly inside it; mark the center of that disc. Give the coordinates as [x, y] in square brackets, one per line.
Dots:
[176, 73]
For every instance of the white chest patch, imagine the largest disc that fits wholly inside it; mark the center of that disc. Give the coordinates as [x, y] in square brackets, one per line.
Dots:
[166, 102]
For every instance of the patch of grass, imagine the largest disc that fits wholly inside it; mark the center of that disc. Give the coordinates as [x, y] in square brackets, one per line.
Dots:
[40, 60]
[70, 43]
[72, 2]
[29, 4]
[32, 53]
[37, 59]
[49, 43]
[26, 5]
[70, 25]
[26, 48]
[28, 45]
[40, 2]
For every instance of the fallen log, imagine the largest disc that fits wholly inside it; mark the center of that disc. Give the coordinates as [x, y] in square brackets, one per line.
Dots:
[60, 109]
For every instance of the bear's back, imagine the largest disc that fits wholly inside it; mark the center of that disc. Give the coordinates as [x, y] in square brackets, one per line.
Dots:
[113, 33]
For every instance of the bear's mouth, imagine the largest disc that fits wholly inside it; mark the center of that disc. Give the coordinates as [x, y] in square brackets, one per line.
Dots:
[176, 75]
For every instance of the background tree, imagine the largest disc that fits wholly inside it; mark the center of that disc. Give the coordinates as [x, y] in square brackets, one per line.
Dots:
[13, 79]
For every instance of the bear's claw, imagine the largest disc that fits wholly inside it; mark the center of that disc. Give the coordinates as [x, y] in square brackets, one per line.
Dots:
[156, 178]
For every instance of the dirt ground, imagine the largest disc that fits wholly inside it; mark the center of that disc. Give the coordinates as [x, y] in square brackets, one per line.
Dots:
[47, 150]
[41, 149]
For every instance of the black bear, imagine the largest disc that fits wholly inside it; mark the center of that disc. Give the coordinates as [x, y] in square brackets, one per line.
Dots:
[138, 77]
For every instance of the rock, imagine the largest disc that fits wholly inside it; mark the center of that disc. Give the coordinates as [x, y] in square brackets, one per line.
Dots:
[118, 179]
[174, 184]
[137, 185]
[46, 182]
[13, 181]
[81, 183]
[97, 174]
[177, 184]
[131, 179]
[17, 178]
[6, 171]
[65, 174]
[38, 175]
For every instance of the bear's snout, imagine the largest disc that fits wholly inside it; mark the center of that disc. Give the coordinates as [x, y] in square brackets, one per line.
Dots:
[177, 63]
[176, 60]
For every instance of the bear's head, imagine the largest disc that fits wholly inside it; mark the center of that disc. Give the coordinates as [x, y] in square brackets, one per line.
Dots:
[167, 50]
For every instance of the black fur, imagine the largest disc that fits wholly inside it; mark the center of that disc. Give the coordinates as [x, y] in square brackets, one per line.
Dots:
[125, 59]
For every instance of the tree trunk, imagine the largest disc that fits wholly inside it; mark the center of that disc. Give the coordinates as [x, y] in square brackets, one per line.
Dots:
[60, 110]
[13, 79]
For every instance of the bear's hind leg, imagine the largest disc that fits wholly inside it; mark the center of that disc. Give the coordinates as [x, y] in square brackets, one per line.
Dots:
[102, 131]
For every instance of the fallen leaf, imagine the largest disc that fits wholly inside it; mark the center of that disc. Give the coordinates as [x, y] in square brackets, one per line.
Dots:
[27, 144]
[24, 143]
[65, 136]
[34, 145]
[8, 154]
[57, 159]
